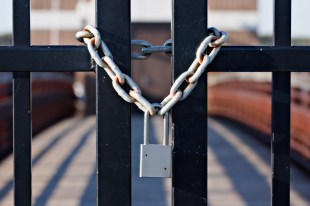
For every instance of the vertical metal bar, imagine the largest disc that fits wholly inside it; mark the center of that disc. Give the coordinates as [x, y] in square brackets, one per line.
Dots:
[22, 109]
[113, 114]
[189, 178]
[281, 92]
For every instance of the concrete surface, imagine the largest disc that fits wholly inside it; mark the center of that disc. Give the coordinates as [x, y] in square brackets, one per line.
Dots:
[64, 168]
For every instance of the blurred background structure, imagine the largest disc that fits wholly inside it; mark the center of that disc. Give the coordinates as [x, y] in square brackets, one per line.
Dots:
[242, 98]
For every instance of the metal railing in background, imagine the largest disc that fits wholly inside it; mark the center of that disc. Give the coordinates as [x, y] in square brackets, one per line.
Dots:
[246, 99]
[52, 100]
[189, 117]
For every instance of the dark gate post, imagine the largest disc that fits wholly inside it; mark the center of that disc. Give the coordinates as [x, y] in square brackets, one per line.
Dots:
[189, 116]
[113, 113]
[281, 103]
[22, 109]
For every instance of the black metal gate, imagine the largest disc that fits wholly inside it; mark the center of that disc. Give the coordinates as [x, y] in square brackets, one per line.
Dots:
[113, 148]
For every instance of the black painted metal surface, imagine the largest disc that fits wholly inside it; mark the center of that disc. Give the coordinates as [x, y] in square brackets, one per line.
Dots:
[189, 177]
[113, 113]
[189, 116]
[44, 58]
[21, 109]
[261, 59]
[230, 58]
[281, 102]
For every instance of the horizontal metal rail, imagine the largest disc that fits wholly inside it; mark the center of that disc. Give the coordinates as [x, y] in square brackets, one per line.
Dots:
[262, 59]
[44, 58]
[231, 58]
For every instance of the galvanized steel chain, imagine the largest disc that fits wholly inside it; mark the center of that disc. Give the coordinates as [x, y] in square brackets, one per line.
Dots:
[205, 54]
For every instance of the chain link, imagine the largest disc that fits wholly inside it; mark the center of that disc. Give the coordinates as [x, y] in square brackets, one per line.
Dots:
[143, 44]
[91, 37]
[147, 49]
[121, 92]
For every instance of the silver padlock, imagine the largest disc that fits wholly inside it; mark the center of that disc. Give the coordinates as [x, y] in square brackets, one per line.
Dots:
[155, 159]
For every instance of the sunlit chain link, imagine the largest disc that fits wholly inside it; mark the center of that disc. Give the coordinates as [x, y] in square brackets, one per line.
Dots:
[205, 54]
[190, 77]
[147, 49]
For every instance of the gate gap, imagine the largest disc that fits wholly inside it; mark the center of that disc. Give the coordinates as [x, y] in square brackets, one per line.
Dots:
[248, 22]
[147, 190]
[6, 141]
[6, 18]
[300, 30]
[239, 126]
[151, 22]
[239, 137]
[300, 95]
[55, 22]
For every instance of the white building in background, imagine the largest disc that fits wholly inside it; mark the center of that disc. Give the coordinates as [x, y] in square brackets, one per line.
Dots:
[56, 15]
[70, 15]
[56, 21]
[300, 15]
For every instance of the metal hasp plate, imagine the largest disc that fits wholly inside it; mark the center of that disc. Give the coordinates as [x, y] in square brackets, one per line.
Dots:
[155, 160]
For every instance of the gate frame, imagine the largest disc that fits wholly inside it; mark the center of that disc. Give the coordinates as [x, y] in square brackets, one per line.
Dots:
[114, 148]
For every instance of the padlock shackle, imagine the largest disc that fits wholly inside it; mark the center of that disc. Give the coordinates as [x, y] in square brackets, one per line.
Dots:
[146, 131]
[166, 129]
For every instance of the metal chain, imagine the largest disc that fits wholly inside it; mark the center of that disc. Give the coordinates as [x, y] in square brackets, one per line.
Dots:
[148, 49]
[91, 37]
